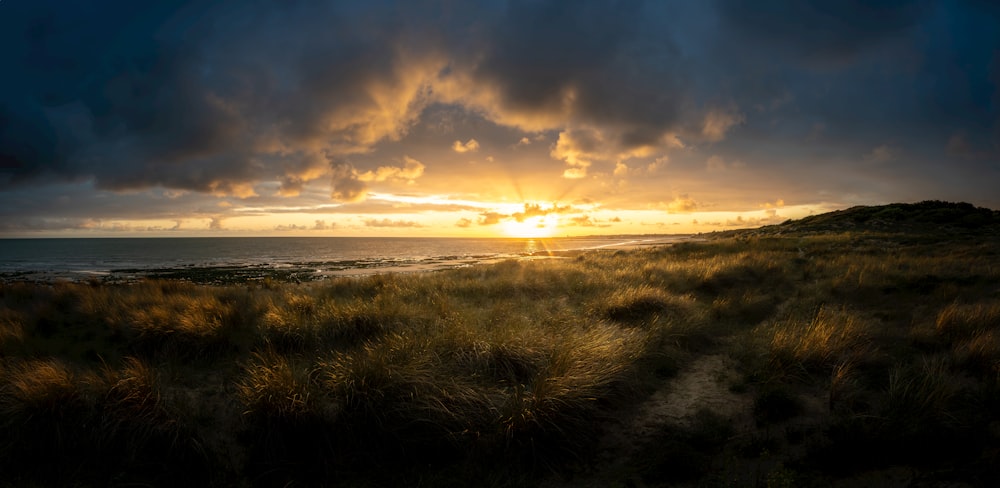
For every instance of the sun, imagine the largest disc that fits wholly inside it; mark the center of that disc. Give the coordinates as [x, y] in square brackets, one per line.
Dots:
[533, 227]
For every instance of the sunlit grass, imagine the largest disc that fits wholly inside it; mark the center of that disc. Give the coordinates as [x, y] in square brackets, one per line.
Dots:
[829, 338]
[39, 387]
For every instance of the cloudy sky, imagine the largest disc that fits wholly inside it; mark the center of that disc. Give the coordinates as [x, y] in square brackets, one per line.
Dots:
[455, 118]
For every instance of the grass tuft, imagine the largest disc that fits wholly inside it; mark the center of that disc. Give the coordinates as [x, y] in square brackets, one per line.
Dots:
[48, 388]
[830, 337]
[640, 305]
[958, 321]
[273, 388]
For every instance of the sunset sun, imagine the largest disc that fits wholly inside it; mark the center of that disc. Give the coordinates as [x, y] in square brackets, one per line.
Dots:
[542, 226]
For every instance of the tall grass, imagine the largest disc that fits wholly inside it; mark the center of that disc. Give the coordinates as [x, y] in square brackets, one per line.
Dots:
[973, 331]
[830, 337]
[274, 388]
[39, 387]
[95, 426]
[514, 367]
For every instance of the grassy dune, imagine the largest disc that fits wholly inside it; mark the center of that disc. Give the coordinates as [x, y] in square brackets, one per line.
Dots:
[860, 356]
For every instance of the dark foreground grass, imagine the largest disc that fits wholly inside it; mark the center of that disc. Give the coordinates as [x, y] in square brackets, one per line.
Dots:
[857, 353]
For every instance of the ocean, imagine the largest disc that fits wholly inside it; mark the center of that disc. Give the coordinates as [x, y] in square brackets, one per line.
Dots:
[231, 259]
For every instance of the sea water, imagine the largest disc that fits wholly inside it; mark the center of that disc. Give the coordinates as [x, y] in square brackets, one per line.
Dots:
[80, 258]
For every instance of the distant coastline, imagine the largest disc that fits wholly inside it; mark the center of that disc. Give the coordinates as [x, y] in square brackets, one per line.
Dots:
[227, 260]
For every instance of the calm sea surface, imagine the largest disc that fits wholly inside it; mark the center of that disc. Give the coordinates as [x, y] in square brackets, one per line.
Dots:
[82, 258]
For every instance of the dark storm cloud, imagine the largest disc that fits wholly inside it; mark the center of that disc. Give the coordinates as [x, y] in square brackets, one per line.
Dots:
[821, 30]
[825, 84]
[111, 93]
[204, 98]
[863, 70]
[216, 97]
[611, 66]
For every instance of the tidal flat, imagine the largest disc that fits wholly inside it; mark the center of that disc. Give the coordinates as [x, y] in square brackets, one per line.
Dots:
[777, 357]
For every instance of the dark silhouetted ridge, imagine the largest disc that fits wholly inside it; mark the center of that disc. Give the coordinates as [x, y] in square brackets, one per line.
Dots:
[929, 216]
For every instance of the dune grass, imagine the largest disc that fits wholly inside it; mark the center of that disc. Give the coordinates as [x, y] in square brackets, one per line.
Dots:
[511, 372]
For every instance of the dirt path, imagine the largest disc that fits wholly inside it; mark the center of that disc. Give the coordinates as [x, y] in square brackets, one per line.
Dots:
[703, 384]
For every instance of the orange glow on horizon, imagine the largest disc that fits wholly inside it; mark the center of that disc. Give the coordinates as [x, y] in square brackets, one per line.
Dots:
[533, 227]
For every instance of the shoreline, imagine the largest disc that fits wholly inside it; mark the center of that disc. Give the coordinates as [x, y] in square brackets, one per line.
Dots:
[304, 272]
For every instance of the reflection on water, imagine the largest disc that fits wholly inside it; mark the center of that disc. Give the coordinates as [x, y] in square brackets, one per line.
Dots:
[537, 246]
[44, 259]
[530, 246]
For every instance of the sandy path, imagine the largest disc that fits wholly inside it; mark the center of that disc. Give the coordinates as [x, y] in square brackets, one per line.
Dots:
[703, 384]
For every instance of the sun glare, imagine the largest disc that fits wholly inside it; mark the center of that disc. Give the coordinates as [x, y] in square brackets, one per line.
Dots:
[531, 227]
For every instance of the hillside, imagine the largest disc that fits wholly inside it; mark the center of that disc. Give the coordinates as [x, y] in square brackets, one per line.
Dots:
[927, 217]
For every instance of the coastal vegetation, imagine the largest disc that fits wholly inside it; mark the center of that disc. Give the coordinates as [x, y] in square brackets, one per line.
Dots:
[861, 346]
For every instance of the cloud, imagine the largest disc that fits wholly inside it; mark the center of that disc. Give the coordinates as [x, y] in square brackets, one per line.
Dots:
[770, 217]
[215, 223]
[463, 223]
[322, 225]
[556, 65]
[960, 145]
[491, 218]
[578, 148]
[346, 185]
[390, 223]
[826, 31]
[47, 224]
[531, 210]
[657, 164]
[410, 171]
[471, 145]
[536, 210]
[290, 227]
[716, 163]
[299, 171]
[351, 186]
[220, 100]
[681, 204]
[202, 99]
[231, 189]
[582, 221]
[738, 222]
[718, 122]
[881, 154]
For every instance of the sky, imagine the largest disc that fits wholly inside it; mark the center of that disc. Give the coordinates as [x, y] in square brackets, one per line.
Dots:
[494, 118]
